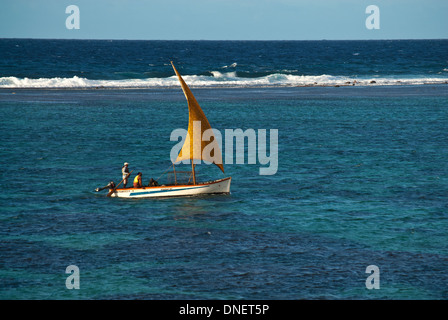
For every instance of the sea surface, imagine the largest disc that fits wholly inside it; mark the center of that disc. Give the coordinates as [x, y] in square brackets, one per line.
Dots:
[146, 64]
[362, 177]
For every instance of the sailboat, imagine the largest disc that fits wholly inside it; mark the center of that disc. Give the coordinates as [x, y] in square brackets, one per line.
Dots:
[192, 149]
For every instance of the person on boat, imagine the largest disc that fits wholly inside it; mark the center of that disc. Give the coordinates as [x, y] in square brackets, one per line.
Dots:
[138, 181]
[125, 172]
[152, 183]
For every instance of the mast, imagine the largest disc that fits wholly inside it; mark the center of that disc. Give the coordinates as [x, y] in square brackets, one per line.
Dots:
[174, 170]
[192, 170]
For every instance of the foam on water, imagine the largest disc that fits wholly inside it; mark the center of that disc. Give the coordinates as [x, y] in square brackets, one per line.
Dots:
[216, 79]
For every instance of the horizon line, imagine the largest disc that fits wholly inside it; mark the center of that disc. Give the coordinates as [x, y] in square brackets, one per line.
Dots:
[247, 40]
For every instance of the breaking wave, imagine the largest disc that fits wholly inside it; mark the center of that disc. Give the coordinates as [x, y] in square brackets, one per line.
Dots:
[216, 79]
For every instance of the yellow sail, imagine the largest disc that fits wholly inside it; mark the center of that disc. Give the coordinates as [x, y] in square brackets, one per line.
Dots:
[193, 148]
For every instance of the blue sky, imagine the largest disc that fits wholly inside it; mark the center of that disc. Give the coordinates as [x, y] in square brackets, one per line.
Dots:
[224, 19]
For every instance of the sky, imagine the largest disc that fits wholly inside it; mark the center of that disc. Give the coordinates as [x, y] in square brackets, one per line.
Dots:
[224, 19]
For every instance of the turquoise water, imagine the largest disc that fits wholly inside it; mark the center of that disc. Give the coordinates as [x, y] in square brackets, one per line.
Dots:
[362, 180]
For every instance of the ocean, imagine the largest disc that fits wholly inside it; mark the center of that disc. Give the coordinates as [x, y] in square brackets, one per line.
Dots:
[362, 177]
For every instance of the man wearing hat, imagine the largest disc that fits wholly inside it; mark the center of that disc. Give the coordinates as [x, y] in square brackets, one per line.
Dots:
[125, 172]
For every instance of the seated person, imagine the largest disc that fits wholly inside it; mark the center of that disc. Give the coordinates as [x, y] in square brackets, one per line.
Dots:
[138, 180]
[153, 183]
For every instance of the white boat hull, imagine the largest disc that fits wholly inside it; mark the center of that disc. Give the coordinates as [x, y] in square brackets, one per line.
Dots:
[212, 187]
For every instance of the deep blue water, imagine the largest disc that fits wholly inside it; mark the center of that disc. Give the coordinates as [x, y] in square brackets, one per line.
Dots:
[87, 63]
[362, 180]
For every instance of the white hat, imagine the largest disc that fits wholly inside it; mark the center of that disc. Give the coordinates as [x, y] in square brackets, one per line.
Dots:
[126, 164]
